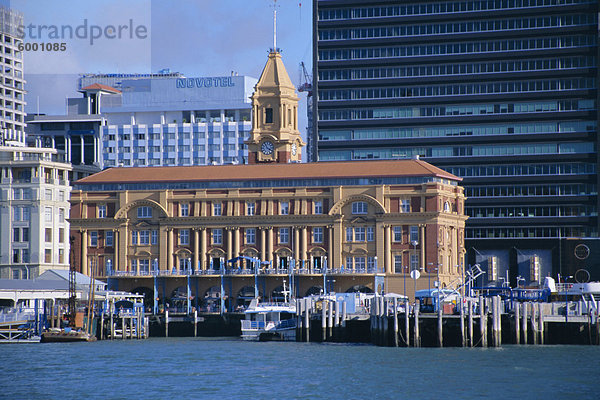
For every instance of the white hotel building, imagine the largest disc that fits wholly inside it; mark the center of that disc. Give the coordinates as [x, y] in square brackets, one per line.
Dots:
[154, 121]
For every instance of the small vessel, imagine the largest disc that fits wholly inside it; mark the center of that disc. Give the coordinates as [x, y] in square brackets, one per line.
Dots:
[66, 335]
[270, 321]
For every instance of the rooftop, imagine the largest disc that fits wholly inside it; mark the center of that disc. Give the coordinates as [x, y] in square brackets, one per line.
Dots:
[320, 170]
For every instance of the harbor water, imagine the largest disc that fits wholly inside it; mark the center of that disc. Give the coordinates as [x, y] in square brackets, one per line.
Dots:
[226, 368]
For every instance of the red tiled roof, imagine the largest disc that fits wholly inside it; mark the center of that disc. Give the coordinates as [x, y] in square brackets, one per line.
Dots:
[348, 169]
[99, 86]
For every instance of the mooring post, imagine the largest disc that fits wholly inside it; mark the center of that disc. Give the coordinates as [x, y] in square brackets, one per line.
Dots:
[112, 325]
[517, 321]
[102, 325]
[541, 322]
[336, 317]
[407, 322]
[470, 311]
[417, 339]
[167, 323]
[330, 306]
[533, 323]
[307, 309]
[299, 320]
[495, 321]
[482, 322]
[123, 325]
[524, 322]
[386, 324]
[344, 314]
[462, 321]
[323, 320]
[195, 323]
[440, 332]
[395, 322]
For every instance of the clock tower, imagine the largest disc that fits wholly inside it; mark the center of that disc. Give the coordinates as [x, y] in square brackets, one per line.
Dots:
[274, 136]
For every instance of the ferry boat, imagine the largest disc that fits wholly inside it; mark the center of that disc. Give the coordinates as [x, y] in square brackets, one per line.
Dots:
[270, 321]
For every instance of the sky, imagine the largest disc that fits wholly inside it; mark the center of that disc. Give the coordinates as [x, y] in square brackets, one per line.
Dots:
[195, 37]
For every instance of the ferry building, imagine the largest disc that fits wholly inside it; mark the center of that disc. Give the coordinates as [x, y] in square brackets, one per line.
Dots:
[228, 231]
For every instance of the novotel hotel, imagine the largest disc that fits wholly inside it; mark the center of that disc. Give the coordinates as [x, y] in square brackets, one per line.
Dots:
[178, 121]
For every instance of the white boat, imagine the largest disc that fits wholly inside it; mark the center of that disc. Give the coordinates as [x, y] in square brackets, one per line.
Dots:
[269, 321]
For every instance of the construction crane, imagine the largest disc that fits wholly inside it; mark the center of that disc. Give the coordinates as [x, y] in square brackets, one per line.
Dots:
[305, 80]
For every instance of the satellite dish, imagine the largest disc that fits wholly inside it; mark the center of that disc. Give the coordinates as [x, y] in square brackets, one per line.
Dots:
[415, 274]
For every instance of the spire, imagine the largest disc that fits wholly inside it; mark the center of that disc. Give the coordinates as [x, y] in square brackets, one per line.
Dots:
[275, 27]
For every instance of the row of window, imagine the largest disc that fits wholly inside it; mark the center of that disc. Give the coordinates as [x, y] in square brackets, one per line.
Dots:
[523, 169]
[481, 67]
[438, 8]
[533, 211]
[455, 110]
[367, 234]
[574, 189]
[21, 255]
[541, 85]
[27, 194]
[459, 151]
[171, 148]
[496, 25]
[458, 130]
[505, 45]
[539, 232]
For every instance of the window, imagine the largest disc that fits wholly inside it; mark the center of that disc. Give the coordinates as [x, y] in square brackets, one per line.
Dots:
[94, 238]
[144, 212]
[370, 233]
[405, 206]
[317, 234]
[48, 214]
[349, 263]
[61, 235]
[359, 234]
[250, 208]
[397, 234]
[61, 256]
[250, 235]
[144, 266]
[24, 234]
[16, 235]
[284, 235]
[371, 265]
[447, 207]
[284, 207]
[398, 263]
[25, 255]
[109, 238]
[48, 235]
[144, 237]
[184, 210]
[217, 236]
[359, 207]
[48, 256]
[134, 237]
[48, 194]
[217, 209]
[102, 211]
[16, 256]
[184, 236]
[27, 212]
[349, 235]
[61, 195]
[359, 263]
[154, 237]
[414, 233]
[61, 215]
[268, 115]
[319, 207]
[414, 261]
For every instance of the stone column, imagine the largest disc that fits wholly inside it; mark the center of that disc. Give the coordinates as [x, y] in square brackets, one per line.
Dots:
[84, 248]
[203, 248]
[387, 251]
[263, 244]
[296, 243]
[229, 243]
[116, 247]
[304, 244]
[196, 249]
[82, 149]
[170, 249]
[270, 244]
[330, 247]
[236, 242]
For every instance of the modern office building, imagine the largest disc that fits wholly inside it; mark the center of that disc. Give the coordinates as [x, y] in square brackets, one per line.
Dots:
[503, 93]
[34, 211]
[156, 119]
[12, 92]
[339, 226]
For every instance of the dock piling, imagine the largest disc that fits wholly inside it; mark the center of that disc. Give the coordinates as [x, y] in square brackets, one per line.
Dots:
[407, 323]
[440, 332]
[517, 321]
[524, 320]
[482, 322]
[470, 311]
[167, 323]
[462, 322]
[417, 338]
[395, 322]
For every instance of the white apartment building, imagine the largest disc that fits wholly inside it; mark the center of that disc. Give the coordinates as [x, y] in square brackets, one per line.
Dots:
[34, 208]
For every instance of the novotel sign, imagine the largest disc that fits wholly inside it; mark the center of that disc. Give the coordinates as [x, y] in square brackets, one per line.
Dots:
[225, 81]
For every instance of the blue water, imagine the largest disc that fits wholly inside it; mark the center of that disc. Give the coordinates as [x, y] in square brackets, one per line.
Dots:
[224, 368]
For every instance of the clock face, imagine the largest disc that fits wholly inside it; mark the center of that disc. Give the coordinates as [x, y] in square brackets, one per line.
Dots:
[267, 148]
[294, 149]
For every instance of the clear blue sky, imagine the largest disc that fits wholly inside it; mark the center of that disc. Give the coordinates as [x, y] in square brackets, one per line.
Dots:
[194, 37]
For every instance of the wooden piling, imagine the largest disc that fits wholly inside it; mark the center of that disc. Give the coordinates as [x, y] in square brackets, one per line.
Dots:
[440, 334]
[524, 323]
[470, 310]
[307, 309]
[195, 323]
[167, 323]
[517, 321]
[495, 321]
[462, 322]
[533, 324]
[407, 323]
[500, 312]
[541, 322]
[324, 320]
[344, 315]
[102, 326]
[112, 326]
[330, 306]
[482, 322]
[417, 338]
[336, 317]
[123, 327]
[395, 322]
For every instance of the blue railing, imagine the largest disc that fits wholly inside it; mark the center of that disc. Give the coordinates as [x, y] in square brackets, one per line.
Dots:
[246, 272]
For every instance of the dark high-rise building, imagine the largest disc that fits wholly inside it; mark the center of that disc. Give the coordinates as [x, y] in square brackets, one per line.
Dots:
[503, 93]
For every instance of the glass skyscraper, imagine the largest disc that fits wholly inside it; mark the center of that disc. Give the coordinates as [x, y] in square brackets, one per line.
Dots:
[503, 93]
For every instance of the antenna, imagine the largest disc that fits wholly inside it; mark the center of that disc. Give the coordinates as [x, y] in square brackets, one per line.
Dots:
[274, 25]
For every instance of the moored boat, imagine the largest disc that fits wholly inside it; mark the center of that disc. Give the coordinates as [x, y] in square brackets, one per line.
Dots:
[269, 321]
[66, 335]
